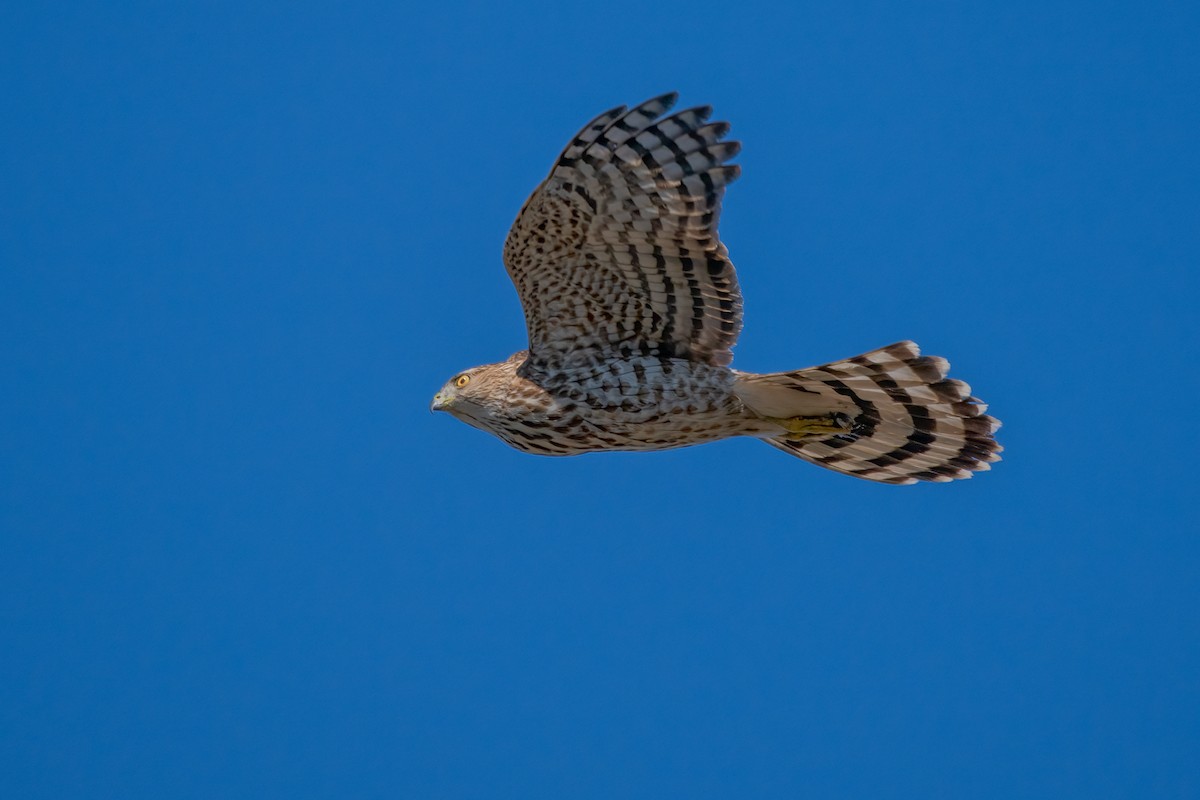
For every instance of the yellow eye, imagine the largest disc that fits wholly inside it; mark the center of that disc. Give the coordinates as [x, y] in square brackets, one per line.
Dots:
[462, 380]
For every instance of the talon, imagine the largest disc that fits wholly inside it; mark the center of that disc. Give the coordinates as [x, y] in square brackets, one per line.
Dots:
[799, 428]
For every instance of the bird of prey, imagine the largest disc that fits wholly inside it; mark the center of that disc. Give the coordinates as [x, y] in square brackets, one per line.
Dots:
[632, 307]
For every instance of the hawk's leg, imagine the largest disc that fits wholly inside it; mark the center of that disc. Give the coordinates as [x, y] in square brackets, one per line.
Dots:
[800, 428]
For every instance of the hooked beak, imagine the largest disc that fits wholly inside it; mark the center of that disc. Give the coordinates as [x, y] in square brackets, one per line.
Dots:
[440, 402]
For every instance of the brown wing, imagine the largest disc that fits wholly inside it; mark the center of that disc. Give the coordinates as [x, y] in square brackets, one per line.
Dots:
[617, 253]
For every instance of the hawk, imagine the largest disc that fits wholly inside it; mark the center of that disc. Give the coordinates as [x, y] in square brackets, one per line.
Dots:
[633, 308]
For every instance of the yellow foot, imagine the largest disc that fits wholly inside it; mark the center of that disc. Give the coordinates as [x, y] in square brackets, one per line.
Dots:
[802, 427]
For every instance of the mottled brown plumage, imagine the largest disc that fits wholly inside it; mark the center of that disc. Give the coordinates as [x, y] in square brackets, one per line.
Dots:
[633, 308]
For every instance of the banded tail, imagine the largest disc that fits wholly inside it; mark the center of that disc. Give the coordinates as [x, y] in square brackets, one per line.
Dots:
[904, 420]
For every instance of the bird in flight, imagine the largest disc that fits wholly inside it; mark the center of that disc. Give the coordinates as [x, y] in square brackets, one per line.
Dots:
[632, 307]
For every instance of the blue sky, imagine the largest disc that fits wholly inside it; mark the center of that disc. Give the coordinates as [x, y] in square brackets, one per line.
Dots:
[241, 246]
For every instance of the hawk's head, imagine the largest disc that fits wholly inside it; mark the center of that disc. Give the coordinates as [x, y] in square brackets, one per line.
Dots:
[458, 393]
[479, 392]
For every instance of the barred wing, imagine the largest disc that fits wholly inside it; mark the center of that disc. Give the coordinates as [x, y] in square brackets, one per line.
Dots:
[616, 254]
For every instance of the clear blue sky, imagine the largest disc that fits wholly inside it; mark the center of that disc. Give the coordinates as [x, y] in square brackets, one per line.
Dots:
[241, 246]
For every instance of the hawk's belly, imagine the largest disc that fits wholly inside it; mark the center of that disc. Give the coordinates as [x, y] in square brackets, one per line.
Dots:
[637, 405]
[592, 430]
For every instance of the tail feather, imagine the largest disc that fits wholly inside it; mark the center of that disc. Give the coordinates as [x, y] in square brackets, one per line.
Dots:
[909, 422]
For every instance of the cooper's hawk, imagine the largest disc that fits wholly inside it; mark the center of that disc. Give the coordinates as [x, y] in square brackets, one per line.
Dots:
[632, 307]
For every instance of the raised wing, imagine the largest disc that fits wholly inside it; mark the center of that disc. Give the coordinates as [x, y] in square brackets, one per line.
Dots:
[616, 254]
